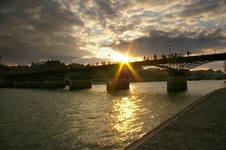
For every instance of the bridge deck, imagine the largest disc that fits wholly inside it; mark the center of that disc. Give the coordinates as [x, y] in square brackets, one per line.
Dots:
[190, 59]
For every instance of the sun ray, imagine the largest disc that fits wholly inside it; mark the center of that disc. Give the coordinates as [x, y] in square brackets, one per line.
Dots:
[124, 61]
[134, 72]
[116, 77]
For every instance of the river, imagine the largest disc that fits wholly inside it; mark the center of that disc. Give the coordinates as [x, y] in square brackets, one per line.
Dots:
[89, 119]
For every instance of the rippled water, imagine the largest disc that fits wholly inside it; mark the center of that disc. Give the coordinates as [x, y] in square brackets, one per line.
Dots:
[89, 119]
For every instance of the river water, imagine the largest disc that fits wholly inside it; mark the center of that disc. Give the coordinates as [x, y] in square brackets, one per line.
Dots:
[89, 119]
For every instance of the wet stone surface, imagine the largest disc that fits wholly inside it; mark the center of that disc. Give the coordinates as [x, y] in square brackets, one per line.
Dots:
[201, 128]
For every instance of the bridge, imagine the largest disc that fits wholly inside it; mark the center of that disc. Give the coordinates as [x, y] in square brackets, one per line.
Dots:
[175, 65]
[184, 62]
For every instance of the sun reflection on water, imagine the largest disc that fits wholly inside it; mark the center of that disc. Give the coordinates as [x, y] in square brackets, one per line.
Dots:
[126, 115]
[125, 109]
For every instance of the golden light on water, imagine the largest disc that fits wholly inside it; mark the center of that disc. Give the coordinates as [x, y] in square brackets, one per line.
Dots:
[126, 116]
[126, 110]
[126, 113]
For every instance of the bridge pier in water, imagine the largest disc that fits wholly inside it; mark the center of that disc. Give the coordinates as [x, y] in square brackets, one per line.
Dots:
[79, 84]
[119, 82]
[176, 80]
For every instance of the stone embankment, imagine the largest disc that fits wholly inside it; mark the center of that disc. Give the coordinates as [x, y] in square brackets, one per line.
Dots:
[201, 125]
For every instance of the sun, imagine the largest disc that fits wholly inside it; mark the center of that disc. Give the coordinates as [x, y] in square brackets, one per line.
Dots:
[121, 58]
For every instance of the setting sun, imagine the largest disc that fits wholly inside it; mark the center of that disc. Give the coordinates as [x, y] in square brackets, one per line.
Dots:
[119, 57]
[122, 58]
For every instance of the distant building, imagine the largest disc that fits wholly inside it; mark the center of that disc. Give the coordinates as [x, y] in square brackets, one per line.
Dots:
[74, 66]
[48, 65]
[3, 68]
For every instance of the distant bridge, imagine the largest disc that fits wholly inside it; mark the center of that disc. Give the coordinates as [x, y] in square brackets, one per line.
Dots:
[188, 62]
[177, 63]
[176, 66]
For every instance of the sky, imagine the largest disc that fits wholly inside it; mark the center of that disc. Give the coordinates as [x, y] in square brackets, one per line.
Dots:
[90, 31]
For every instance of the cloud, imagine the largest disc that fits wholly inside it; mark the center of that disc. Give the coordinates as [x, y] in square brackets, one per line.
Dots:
[158, 41]
[31, 30]
[105, 7]
[79, 29]
[199, 7]
[15, 51]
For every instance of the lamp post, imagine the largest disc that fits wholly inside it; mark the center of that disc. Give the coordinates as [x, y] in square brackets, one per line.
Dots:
[169, 48]
[109, 58]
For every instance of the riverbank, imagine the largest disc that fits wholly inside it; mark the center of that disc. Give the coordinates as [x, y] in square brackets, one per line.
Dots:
[202, 125]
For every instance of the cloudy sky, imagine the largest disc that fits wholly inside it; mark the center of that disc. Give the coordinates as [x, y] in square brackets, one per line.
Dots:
[88, 31]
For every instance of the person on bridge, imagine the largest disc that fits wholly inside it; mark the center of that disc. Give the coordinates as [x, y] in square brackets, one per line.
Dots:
[188, 53]
[155, 57]
[163, 56]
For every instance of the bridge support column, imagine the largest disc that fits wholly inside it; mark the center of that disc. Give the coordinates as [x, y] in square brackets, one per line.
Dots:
[119, 83]
[176, 81]
[79, 84]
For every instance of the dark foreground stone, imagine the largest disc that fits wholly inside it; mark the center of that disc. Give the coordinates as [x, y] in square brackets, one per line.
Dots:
[202, 126]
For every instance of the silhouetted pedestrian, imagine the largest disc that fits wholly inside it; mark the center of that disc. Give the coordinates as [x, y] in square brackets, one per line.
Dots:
[155, 57]
[188, 53]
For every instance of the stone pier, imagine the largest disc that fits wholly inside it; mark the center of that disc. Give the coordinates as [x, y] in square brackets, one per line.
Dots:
[79, 84]
[120, 82]
[176, 80]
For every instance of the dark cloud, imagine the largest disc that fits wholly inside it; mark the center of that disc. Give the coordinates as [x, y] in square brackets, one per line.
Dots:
[105, 7]
[198, 7]
[15, 50]
[31, 30]
[158, 41]
[42, 15]
[155, 2]
[78, 29]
